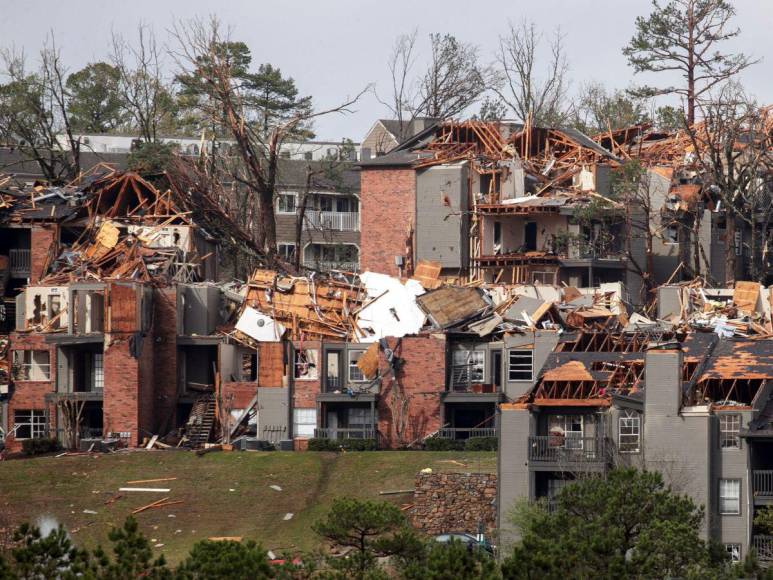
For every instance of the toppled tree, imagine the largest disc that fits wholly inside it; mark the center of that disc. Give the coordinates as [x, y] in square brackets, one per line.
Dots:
[540, 98]
[216, 71]
[627, 525]
[684, 36]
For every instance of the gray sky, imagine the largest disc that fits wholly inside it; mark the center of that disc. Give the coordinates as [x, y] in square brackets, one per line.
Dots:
[333, 49]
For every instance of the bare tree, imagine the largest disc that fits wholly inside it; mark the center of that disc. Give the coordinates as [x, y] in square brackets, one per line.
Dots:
[453, 79]
[34, 113]
[529, 94]
[141, 85]
[734, 152]
[683, 36]
[207, 64]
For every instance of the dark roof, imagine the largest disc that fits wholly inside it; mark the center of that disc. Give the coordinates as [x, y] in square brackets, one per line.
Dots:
[345, 177]
[740, 359]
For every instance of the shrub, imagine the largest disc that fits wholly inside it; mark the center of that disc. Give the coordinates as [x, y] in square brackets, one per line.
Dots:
[318, 444]
[438, 444]
[481, 444]
[39, 446]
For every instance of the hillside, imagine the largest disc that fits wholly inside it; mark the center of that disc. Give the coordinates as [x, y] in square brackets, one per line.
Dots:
[224, 494]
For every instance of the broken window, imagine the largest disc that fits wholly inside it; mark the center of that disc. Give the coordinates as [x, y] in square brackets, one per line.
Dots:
[304, 422]
[729, 426]
[734, 552]
[730, 496]
[31, 365]
[566, 431]
[286, 251]
[306, 364]
[629, 434]
[285, 203]
[671, 234]
[469, 367]
[355, 374]
[30, 424]
[520, 365]
[55, 310]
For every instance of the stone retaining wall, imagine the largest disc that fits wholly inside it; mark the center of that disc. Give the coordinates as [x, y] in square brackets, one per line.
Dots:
[454, 502]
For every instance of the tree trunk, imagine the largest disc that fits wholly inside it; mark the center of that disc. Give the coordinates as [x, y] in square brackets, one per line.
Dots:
[730, 248]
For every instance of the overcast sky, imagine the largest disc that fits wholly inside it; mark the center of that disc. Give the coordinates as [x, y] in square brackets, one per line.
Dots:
[333, 49]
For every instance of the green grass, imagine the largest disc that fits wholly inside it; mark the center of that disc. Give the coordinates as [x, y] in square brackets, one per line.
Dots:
[224, 494]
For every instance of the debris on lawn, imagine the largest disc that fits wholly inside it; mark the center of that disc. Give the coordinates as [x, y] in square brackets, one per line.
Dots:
[148, 489]
[151, 480]
[275, 487]
[288, 516]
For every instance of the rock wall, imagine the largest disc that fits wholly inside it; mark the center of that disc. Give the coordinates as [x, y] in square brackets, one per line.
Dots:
[454, 502]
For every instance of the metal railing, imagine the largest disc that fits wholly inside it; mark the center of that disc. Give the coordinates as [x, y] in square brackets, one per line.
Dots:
[19, 262]
[566, 449]
[466, 433]
[325, 266]
[762, 482]
[345, 433]
[342, 221]
[332, 384]
[764, 547]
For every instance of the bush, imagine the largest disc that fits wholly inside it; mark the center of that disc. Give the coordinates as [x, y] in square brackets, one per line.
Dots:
[39, 446]
[481, 444]
[318, 444]
[438, 444]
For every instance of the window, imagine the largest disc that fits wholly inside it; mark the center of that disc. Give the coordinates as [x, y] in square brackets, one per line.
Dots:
[730, 496]
[355, 374]
[306, 364]
[30, 424]
[734, 551]
[469, 367]
[304, 422]
[55, 310]
[566, 431]
[286, 251]
[31, 365]
[729, 426]
[285, 203]
[671, 234]
[326, 203]
[358, 418]
[629, 433]
[98, 371]
[520, 365]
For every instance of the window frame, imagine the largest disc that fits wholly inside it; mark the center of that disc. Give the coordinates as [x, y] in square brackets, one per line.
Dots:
[350, 367]
[37, 423]
[635, 419]
[520, 352]
[314, 361]
[291, 245]
[20, 375]
[286, 194]
[471, 363]
[735, 556]
[302, 417]
[723, 499]
[727, 435]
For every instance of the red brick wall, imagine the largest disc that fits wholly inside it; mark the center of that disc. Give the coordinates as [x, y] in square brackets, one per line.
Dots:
[121, 407]
[243, 393]
[305, 391]
[30, 394]
[387, 215]
[42, 237]
[147, 389]
[422, 378]
[165, 358]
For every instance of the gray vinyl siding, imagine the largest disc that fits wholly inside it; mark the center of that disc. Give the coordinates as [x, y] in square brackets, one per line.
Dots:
[441, 215]
[544, 342]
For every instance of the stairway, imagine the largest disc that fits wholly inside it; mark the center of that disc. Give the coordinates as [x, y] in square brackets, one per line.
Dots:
[200, 421]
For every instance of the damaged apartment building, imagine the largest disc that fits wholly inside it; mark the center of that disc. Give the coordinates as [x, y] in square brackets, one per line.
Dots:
[687, 393]
[514, 204]
[105, 289]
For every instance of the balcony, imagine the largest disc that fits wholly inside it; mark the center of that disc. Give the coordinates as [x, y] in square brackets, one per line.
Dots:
[557, 449]
[762, 484]
[763, 545]
[19, 263]
[345, 433]
[458, 433]
[340, 221]
[326, 266]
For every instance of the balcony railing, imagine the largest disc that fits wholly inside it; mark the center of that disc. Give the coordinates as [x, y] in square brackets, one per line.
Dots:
[345, 433]
[762, 482]
[333, 384]
[763, 545]
[19, 263]
[341, 221]
[567, 449]
[466, 433]
[325, 266]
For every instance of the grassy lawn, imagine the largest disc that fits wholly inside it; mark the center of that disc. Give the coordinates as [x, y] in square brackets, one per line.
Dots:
[224, 494]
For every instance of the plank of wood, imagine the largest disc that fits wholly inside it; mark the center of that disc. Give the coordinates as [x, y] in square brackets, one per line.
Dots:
[148, 489]
[151, 480]
[151, 442]
[150, 505]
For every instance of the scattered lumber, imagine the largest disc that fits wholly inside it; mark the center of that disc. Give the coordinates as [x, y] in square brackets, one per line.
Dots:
[151, 480]
[146, 489]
